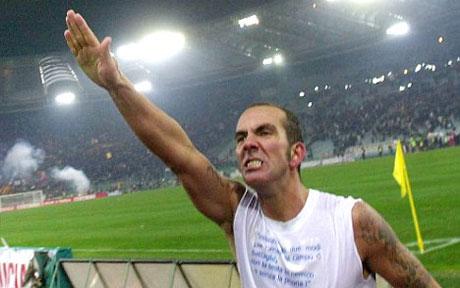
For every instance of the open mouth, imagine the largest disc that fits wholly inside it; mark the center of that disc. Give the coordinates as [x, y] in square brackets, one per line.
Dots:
[253, 164]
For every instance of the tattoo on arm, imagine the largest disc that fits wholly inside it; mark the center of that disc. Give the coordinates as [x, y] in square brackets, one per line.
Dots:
[386, 250]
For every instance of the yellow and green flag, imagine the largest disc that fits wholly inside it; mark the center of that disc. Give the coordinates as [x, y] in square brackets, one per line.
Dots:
[401, 176]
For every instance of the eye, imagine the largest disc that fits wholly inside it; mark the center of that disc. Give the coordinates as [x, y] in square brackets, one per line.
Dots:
[239, 139]
[264, 132]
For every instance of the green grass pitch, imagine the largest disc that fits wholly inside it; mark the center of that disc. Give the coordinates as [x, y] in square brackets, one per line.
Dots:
[163, 224]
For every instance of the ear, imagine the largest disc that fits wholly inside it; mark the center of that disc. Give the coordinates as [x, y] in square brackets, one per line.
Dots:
[298, 153]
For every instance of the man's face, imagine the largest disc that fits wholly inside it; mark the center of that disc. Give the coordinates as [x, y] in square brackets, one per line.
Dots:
[261, 145]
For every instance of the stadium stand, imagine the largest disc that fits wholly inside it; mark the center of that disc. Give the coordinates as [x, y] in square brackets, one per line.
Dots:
[92, 136]
[358, 94]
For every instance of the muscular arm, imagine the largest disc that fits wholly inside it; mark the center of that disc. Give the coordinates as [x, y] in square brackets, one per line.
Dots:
[381, 251]
[215, 196]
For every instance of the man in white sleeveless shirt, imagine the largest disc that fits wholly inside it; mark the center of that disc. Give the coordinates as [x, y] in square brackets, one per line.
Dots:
[283, 234]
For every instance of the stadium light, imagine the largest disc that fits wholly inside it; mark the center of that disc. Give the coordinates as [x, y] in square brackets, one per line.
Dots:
[310, 104]
[418, 68]
[155, 47]
[65, 98]
[129, 52]
[143, 86]
[268, 61]
[402, 88]
[430, 67]
[248, 21]
[59, 80]
[398, 29]
[302, 94]
[377, 80]
[278, 59]
[161, 45]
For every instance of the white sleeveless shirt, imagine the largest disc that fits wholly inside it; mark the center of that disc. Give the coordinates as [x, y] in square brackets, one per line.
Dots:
[314, 249]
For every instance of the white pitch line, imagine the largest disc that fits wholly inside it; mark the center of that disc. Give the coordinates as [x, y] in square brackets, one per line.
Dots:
[102, 250]
[445, 243]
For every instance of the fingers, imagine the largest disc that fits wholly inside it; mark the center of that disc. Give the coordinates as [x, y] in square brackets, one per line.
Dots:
[80, 33]
[76, 36]
[85, 31]
[69, 40]
[105, 46]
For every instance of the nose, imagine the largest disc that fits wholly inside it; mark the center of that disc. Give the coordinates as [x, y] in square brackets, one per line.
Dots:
[250, 143]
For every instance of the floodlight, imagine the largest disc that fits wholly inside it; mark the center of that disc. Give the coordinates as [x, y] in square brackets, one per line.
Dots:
[275, 59]
[449, 62]
[161, 45]
[310, 104]
[409, 85]
[65, 98]
[377, 80]
[268, 61]
[278, 59]
[440, 39]
[143, 86]
[316, 88]
[129, 52]
[302, 94]
[406, 71]
[402, 88]
[418, 68]
[430, 67]
[155, 47]
[398, 29]
[248, 21]
[58, 79]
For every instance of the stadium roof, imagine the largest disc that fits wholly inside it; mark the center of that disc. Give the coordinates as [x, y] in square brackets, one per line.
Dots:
[217, 47]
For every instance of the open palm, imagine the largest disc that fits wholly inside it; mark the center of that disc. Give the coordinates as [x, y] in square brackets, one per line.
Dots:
[93, 57]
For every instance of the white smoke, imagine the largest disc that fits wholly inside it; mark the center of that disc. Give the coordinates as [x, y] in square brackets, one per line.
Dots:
[22, 160]
[76, 177]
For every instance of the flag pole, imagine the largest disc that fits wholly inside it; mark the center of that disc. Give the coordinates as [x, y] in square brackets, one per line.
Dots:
[401, 176]
[414, 216]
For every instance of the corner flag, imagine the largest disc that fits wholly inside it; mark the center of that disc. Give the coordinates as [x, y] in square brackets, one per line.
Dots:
[400, 175]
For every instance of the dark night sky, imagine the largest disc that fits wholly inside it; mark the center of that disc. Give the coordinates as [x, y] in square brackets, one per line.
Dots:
[36, 26]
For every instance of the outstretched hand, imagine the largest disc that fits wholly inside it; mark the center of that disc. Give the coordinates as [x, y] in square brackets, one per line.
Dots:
[93, 56]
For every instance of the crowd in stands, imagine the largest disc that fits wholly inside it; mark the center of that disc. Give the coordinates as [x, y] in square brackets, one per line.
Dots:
[93, 137]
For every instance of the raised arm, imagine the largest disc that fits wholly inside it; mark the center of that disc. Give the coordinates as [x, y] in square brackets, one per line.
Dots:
[382, 253]
[215, 196]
